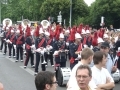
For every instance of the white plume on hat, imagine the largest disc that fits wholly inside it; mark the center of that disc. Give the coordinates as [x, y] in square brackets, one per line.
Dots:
[67, 31]
[61, 35]
[77, 35]
[100, 40]
[105, 36]
[41, 31]
[87, 31]
[47, 33]
[83, 31]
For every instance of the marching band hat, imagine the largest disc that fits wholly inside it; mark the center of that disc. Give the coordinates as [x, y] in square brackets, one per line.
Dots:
[77, 35]
[61, 35]
[83, 31]
[105, 36]
[67, 31]
[100, 40]
[87, 31]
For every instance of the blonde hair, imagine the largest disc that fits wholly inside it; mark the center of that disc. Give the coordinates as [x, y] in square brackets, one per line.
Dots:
[86, 53]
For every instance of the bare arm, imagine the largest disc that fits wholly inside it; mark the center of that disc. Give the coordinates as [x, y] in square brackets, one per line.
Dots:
[1, 86]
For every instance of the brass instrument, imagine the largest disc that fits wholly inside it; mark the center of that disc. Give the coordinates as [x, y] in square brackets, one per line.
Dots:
[45, 24]
[7, 22]
[42, 55]
[25, 22]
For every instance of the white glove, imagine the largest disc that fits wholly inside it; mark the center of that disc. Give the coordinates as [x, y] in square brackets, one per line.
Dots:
[4, 39]
[33, 46]
[79, 56]
[8, 41]
[56, 53]
[23, 46]
[42, 52]
[67, 44]
[38, 50]
[85, 46]
[51, 47]
[14, 46]
[91, 47]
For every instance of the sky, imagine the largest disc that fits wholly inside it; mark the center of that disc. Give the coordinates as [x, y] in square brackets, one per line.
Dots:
[89, 2]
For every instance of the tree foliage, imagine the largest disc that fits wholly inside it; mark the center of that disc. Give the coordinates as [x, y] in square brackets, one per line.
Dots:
[38, 10]
[107, 8]
[52, 8]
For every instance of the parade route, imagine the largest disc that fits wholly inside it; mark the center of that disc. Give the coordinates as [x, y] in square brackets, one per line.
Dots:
[15, 77]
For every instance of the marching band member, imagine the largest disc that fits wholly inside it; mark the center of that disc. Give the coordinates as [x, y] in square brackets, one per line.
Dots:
[84, 38]
[66, 34]
[59, 49]
[19, 41]
[75, 49]
[29, 44]
[49, 48]
[11, 42]
[40, 45]
[95, 42]
[6, 34]
[106, 38]
[89, 38]
[2, 39]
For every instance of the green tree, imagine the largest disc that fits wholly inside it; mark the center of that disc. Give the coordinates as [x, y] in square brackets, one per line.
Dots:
[107, 8]
[52, 8]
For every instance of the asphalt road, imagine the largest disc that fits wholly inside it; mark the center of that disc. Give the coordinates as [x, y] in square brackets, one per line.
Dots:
[15, 77]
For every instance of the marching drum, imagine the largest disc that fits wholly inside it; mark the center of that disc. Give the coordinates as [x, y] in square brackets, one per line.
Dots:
[63, 75]
[116, 76]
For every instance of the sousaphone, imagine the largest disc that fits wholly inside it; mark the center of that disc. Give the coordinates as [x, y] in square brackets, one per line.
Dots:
[25, 22]
[45, 24]
[7, 22]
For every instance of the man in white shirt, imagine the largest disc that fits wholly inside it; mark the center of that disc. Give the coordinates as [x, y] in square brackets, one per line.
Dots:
[83, 77]
[100, 75]
[86, 59]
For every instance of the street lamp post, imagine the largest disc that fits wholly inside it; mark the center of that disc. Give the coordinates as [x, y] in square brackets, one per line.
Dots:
[70, 12]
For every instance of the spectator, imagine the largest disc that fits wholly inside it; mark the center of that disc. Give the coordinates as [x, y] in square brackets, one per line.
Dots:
[45, 80]
[100, 75]
[83, 77]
